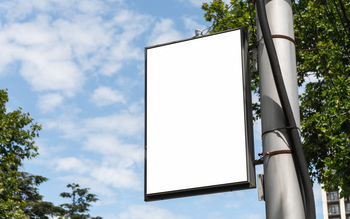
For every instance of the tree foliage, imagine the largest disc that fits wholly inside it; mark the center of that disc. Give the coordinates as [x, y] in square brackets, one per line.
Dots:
[322, 31]
[17, 132]
[19, 192]
[81, 199]
[35, 206]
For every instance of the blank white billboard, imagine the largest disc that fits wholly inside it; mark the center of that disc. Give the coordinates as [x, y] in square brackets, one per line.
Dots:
[198, 134]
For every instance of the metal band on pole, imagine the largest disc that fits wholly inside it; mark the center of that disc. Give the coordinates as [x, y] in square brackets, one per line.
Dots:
[283, 37]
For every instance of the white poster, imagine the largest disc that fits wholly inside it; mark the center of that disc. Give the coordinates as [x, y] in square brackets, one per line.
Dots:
[195, 114]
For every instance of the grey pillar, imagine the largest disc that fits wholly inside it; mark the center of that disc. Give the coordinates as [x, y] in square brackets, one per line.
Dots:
[282, 192]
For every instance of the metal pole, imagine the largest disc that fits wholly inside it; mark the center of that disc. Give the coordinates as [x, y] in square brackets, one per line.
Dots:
[282, 191]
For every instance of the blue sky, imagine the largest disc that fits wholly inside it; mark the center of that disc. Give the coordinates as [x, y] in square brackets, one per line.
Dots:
[78, 67]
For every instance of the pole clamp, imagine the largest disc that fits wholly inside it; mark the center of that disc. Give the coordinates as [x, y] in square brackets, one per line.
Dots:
[263, 155]
[277, 152]
[282, 36]
[255, 45]
[283, 128]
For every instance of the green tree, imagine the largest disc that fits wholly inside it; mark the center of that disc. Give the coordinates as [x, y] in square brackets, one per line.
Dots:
[35, 206]
[322, 30]
[17, 132]
[19, 193]
[81, 199]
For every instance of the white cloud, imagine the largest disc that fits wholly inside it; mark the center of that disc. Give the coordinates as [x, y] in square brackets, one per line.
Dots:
[71, 164]
[124, 124]
[110, 68]
[90, 7]
[198, 3]
[19, 10]
[117, 177]
[129, 83]
[83, 34]
[107, 138]
[35, 33]
[46, 62]
[107, 174]
[233, 204]
[104, 96]
[98, 187]
[57, 52]
[53, 75]
[136, 107]
[148, 212]
[191, 25]
[251, 216]
[133, 25]
[49, 102]
[65, 124]
[164, 32]
[124, 51]
[108, 144]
